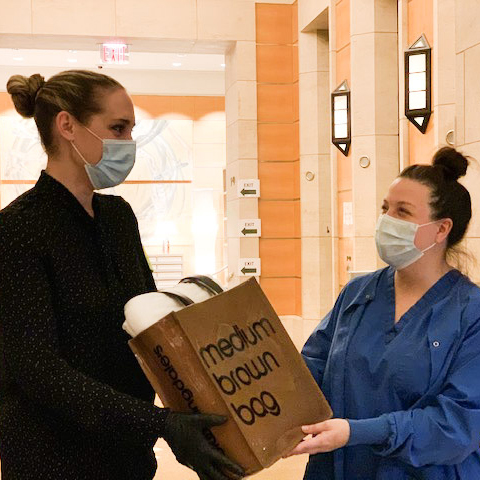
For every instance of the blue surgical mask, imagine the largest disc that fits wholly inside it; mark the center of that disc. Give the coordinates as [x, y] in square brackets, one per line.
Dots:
[117, 161]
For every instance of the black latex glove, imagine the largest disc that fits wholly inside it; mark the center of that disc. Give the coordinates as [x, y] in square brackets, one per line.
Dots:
[184, 434]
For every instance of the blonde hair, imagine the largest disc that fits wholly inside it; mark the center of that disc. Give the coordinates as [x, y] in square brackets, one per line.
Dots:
[77, 92]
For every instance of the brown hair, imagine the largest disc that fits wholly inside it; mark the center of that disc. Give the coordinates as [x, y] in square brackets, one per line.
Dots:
[448, 197]
[77, 92]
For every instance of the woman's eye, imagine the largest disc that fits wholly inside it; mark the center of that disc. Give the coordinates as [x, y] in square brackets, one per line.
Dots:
[118, 128]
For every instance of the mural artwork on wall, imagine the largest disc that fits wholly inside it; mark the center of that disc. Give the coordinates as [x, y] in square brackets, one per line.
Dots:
[164, 153]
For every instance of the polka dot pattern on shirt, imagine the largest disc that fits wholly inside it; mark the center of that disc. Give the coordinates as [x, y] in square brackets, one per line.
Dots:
[73, 401]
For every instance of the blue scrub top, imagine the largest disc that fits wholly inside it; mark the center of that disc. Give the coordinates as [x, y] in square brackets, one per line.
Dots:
[411, 390]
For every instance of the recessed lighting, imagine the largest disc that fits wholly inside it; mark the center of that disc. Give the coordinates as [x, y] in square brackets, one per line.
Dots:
[222, 65]
[72, 60]
[176, 64]
[18, 59]
[72, 51]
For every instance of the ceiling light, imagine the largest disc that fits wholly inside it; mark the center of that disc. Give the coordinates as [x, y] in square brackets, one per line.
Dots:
[222, 65]
[18, 59]
[72, 51]
[176, 64]
[181, 55]
[72, 60]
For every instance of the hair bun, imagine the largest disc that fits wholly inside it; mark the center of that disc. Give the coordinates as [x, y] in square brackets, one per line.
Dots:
[23, 91]
[453, 162]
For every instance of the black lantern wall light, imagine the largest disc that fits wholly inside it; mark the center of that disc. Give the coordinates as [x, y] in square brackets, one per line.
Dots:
[418, 83]
[341, 123]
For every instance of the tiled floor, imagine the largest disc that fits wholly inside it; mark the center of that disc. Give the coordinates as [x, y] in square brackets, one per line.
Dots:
[169, 469]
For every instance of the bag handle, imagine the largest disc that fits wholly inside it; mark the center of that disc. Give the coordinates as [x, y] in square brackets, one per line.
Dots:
[179, 297]
[204, 282]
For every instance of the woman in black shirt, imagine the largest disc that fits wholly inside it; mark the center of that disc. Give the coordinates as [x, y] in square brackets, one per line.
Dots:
[74, 403]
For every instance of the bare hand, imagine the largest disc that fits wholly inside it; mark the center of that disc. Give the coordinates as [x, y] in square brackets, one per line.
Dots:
[326, 436]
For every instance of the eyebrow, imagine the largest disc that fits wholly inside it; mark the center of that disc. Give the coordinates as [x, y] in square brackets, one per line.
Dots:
[123, 120]
[407, 203]
[400, 203]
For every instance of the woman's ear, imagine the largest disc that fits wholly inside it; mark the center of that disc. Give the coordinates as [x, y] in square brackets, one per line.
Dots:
[445, 228]
[65, 124]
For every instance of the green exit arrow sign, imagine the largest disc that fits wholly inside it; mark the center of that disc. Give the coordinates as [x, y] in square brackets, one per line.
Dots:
[248, 188]
[251, 227]
[249, 267]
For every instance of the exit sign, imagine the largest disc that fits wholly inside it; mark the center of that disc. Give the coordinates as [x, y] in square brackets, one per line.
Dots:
[116, 53]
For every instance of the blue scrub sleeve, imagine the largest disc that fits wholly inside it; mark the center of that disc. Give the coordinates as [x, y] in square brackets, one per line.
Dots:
[317, 347]
[444, 432]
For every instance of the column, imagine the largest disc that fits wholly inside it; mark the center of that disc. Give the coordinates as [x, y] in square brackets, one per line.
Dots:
[374, 97]
[315, 174]
[242, 160]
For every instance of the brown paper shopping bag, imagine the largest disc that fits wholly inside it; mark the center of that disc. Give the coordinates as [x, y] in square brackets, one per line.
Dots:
[231, 355]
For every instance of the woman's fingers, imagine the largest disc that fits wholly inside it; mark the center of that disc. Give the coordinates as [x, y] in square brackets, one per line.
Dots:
[315, 428]
[310, 445]
[311, 432]
[323, 437]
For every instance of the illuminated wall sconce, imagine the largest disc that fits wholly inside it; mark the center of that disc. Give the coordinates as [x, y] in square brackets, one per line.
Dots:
[418, 83]
[341, 124]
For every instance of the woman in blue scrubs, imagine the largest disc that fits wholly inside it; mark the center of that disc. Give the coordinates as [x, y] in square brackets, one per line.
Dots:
[398, 357]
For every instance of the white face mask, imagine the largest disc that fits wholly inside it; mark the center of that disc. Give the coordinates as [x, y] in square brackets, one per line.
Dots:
[395, 241]
[117, 161]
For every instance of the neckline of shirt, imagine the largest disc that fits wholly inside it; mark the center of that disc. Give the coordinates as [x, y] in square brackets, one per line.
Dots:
[439, 287]
[48, 184]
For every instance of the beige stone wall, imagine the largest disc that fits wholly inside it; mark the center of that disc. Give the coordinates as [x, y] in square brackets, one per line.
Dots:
[354, 41]
[374, 119]
[190, 26]
[315, 161]
[467, 113]
[359, 40]
[367, 40]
